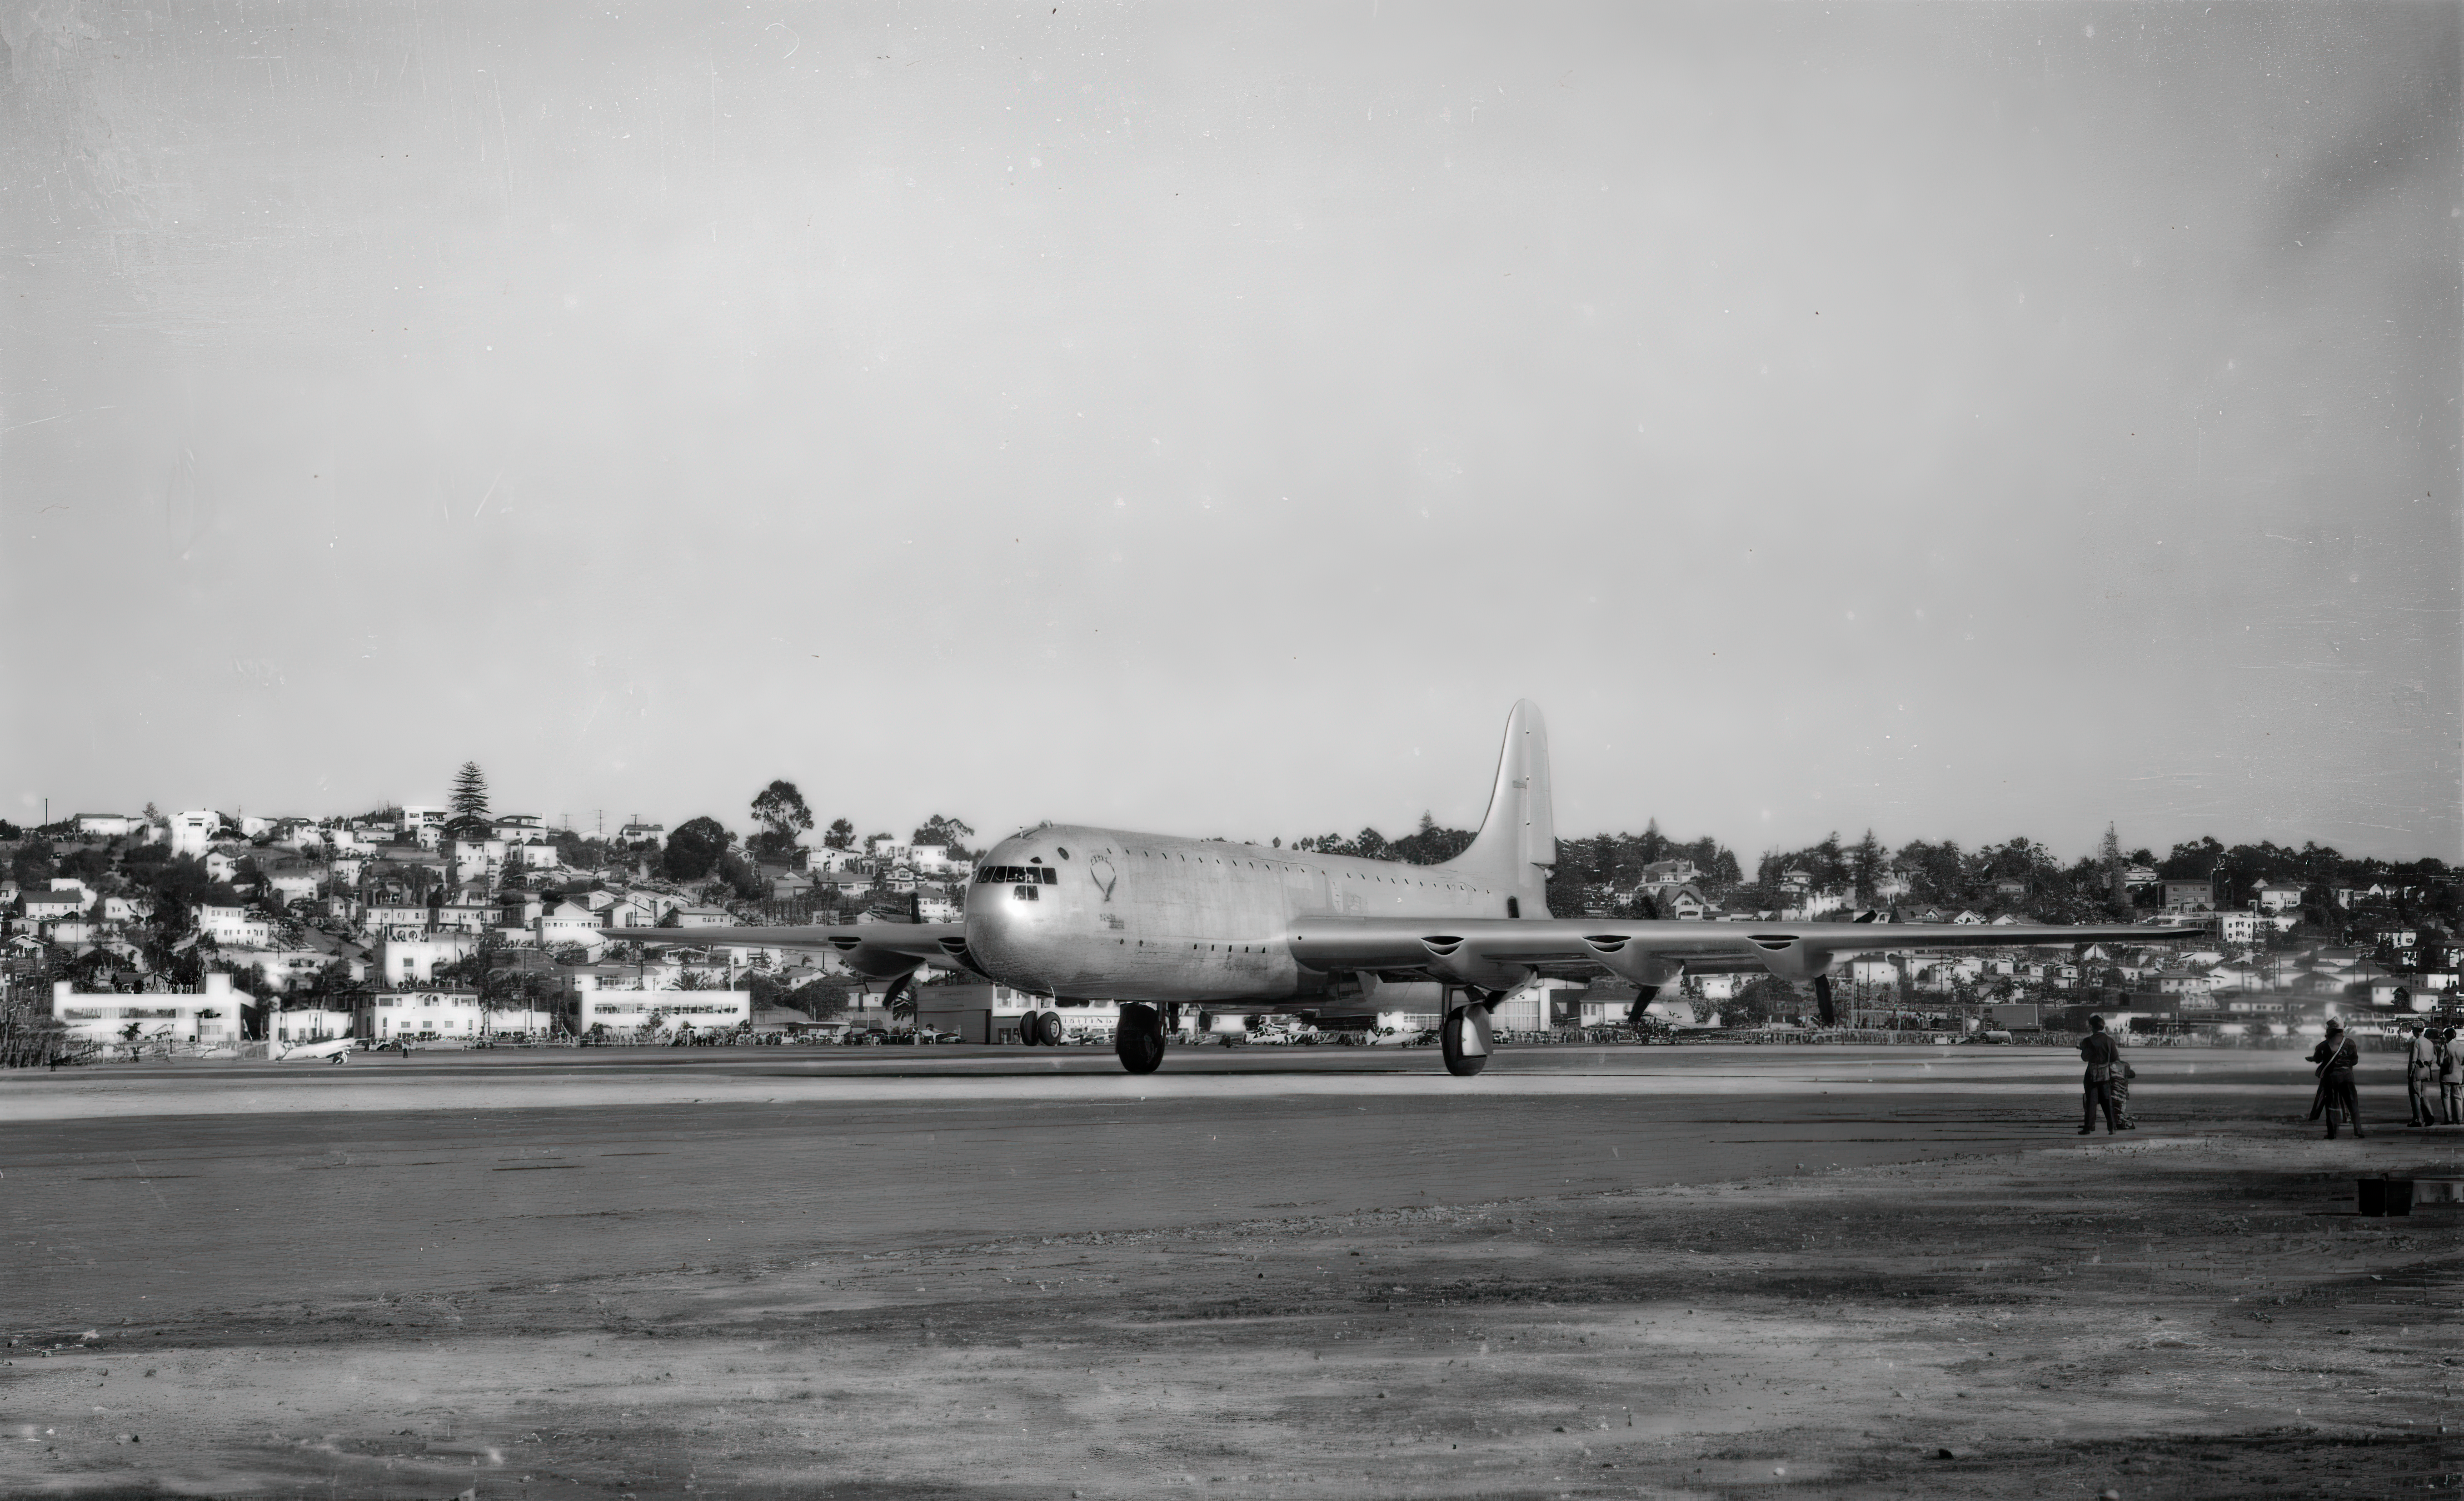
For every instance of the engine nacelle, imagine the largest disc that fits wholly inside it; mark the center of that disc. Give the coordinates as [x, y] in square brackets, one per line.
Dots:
[1620, 958]
[1787, 958]
[1447, 959]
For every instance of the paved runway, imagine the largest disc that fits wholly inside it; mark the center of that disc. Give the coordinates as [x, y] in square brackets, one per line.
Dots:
[161, 1191]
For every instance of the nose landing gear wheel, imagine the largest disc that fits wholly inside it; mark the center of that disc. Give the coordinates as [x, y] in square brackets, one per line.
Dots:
[1048, 1028]
[1139, 1040]
[1464, 1040]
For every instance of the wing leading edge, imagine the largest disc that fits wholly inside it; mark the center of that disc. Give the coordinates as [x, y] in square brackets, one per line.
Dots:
[1499, 952]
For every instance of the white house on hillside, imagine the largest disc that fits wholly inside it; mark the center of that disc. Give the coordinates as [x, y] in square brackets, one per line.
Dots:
[191, 832]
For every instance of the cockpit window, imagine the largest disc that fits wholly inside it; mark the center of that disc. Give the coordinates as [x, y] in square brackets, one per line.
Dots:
[1018, 876]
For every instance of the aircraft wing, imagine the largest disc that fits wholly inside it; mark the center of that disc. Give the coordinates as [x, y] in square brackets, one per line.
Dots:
[876, 949]
[1501, 952]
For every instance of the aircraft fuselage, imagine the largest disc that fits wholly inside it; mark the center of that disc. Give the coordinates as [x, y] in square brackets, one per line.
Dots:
[1133, 916]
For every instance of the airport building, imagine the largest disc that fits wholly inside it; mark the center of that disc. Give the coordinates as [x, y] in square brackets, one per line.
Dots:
[383, 1016]
[307, 1024]
[655, 1010]
[208, 1015]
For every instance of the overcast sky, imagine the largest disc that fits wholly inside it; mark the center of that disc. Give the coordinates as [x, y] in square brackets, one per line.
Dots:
[1960, 421]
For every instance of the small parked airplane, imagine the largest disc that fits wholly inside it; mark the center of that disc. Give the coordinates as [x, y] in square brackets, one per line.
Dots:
[1157, 922]
[336, 1049]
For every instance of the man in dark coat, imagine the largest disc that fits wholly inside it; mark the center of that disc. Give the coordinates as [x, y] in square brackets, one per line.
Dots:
[2104, 1057]
[2336, 1058]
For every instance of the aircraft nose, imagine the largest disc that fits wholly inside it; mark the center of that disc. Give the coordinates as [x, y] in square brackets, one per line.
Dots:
[993, 926]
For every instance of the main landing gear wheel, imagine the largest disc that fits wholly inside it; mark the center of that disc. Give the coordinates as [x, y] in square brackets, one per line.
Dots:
[1138, 1040]
[1048, 1028]
[1026, 1032]
[1465, 1041]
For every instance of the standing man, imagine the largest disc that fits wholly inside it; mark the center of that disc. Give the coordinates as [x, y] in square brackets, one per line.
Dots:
[2451, 1078]
[2337, 1057]
[2421, 1076]
[2102, 1055]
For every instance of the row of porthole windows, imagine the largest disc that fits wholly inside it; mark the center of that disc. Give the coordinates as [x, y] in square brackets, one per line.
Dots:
[1349, 876]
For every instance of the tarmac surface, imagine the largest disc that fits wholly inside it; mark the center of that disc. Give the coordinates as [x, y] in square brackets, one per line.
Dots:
[367, 1278]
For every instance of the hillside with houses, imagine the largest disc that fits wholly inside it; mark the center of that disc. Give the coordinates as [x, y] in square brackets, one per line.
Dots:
[512, 922]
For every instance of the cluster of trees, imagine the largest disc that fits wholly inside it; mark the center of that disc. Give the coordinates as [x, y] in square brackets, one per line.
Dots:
[1427, 845]
[2088, 889]
[1616, 861]
[701, 848]
[2318, 870]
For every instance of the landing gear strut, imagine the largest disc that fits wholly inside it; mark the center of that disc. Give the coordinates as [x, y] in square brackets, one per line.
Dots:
[1464, 1039]
[1823, 1000]
[1138, 1041]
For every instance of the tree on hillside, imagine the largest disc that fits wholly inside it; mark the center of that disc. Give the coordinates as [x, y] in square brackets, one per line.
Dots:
[469, 800]
[1431, 845]
[1867, 860]
[1653, 846]
[949, 831]
[840, 836]
[781, 811]
[740, 874]
[693, 849]
[32, 866]
[2192, 860]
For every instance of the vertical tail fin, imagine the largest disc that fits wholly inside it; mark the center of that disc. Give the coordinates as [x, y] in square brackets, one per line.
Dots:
[1518, 839]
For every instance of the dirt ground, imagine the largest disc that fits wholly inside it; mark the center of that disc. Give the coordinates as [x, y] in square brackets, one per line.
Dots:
[2188, 1314]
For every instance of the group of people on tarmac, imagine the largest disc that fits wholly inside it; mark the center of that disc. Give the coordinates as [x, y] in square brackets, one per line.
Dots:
[2433, 1078]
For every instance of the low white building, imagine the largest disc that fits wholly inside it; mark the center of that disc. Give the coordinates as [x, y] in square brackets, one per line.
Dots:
[650, 1012]
[234, 927]
[284, 967]
[521, 1021]
[295, 883]
[54, 906]
[571, 923]
[422, 1013]
[307, 1024]
[191, 832]
[208, 1015]
[463, 914]
[109, 826]
[126, 908]
[414, 960]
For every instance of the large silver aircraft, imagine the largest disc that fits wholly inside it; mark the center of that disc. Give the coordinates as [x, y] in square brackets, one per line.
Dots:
[1157, 922]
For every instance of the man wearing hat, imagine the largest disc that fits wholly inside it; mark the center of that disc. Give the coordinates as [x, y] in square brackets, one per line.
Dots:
[2337, 1057]
[2103, 1056]
[2421, 1076]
